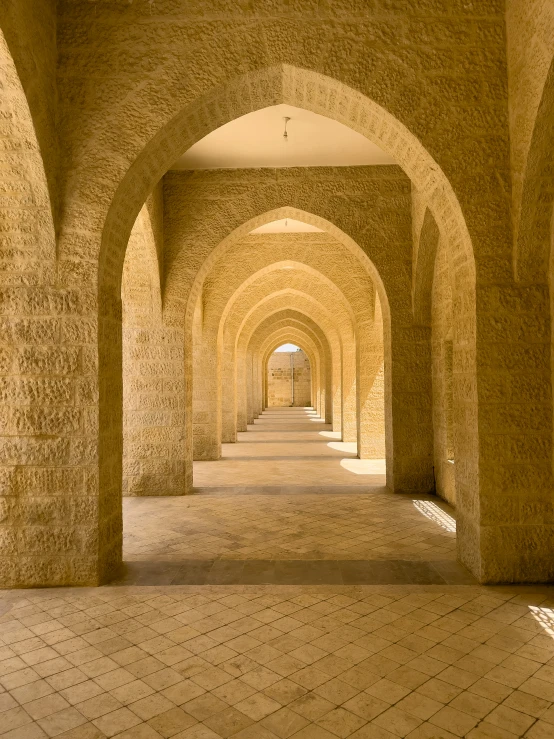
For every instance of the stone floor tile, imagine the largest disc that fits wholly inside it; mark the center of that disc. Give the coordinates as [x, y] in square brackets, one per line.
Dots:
[57, 723]
[540, 730]
[366, 706]
[84, 731]
[311, 706]
[152, 705]
[171, 722]
[430, 731]
[313, 732]
[258, 706]
[164, 678]
[419, 705]
[131, 692]
[456, 722]
[182, 692]
[341, 722]
[210, 679]
[116, 722]
[7, 702]
[490, 689]
[285, 691]
[98, 706]
[32, 691]
[199, 731]
[510, 719]
[13, 718]
[228, 722]
[29, 731]
[284, 723]
[397, 722]
[204, 706]
[489, 731]
[45, 706]
[233, 692]
[67, 679]
[81, 692]
[538, 688]
[336, 691]
[387, 691]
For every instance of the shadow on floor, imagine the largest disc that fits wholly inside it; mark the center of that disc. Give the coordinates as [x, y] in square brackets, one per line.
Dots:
[295, 572]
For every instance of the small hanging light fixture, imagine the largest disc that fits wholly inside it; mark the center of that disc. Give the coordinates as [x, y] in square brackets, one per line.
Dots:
[285, 134]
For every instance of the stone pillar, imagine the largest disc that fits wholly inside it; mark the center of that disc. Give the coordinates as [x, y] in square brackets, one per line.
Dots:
[349, 400]
[228, 391]
[206, 419]
[408, 403]
[371, 396]
[153, 411]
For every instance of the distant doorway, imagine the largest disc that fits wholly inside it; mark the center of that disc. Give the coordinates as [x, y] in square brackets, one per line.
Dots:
[289, 378]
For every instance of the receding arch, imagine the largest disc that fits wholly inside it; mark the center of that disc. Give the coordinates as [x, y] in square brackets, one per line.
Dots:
[290, 394]
[300, 303]
[292, 321]
[307, 334]
[278, 214]
[303, 343]
[302, 88]
[281, 83]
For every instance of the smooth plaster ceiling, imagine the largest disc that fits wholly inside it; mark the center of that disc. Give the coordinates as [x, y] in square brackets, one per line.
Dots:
[285, 225]
[256, 140]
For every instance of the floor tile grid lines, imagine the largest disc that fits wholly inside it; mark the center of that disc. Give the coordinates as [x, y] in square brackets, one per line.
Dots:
[282, 660]
[392, 674]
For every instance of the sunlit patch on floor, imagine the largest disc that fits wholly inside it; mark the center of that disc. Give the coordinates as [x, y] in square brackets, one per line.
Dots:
[364, 466]
[350, 447]
[545, 617]
[433, 512]
[330, 434]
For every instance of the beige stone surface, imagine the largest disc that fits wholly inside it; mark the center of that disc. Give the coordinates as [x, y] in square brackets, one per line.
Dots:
[453, 244]
[209, 662]
[289, 380]
[331, 506]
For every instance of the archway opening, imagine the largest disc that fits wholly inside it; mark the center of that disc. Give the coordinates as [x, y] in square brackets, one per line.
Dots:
[354, 376]
[289, 378]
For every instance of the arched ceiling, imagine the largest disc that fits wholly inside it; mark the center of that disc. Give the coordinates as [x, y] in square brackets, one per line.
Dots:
[256, 140]
[319, 255]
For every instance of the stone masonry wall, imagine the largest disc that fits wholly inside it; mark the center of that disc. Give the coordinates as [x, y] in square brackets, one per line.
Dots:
[132, 90]
[280, 378]
[153, 388]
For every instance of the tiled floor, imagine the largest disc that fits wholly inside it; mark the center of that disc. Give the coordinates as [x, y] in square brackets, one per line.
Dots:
[272, 662]
[286, 659]
[284, 495]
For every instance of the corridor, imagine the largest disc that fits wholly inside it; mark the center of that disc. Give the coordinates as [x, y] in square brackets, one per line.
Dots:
[290, 504]
[290, 597]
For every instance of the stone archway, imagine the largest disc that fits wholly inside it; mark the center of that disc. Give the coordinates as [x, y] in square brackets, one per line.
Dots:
[282, 83]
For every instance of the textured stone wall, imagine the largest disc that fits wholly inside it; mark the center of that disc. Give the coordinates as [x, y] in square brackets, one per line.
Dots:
[281, 375]
[404, 74]
[153, 385]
